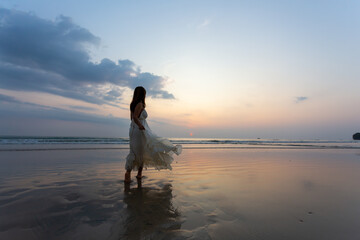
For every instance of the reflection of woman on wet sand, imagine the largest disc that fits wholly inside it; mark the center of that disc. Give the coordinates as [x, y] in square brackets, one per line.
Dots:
[150, 211]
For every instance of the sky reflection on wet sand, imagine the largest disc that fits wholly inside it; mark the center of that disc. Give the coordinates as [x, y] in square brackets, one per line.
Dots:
[211, 193]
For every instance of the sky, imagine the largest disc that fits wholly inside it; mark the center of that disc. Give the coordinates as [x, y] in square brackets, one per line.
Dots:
[213, 69]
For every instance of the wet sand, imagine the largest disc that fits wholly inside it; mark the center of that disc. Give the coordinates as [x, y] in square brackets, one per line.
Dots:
[209, 194]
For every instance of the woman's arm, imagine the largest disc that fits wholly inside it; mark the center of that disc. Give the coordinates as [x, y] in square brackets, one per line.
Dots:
[138, 109]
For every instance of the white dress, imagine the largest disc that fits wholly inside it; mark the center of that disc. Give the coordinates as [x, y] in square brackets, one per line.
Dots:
[147, 149]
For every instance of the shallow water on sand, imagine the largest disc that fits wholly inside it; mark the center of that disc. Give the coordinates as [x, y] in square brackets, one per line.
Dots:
[209, 194]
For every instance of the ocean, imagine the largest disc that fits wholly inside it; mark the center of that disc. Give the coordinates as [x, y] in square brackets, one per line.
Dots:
[63, 143]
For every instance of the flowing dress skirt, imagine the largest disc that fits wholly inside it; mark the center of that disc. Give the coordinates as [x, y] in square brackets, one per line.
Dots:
[149, 150]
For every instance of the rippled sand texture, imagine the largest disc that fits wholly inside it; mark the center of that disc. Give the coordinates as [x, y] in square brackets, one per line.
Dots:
[210, 194]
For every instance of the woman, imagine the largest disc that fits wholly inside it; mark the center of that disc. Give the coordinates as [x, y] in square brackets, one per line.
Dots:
[146, 149]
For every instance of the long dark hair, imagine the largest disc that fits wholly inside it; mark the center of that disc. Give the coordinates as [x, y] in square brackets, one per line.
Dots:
[139, 96]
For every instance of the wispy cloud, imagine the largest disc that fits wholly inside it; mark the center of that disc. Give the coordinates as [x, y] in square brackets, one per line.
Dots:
[81, 108]
[52, 56]
[300, 99]
[204, 23]
[8, 99]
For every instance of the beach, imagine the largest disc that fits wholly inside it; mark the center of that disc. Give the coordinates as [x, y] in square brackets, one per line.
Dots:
[261, 96]
[211, 193]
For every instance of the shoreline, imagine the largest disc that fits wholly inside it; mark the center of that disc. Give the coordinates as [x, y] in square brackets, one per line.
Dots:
[66, 147]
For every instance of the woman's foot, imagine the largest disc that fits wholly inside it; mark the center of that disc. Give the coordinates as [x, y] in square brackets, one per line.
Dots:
[127, 177]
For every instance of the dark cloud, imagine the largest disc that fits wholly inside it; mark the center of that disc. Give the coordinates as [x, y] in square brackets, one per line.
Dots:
[52, 57]
[11, 107]
[300, 99]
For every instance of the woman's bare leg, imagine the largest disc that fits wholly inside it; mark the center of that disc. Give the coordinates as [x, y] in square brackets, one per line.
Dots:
[139, 175]
[127, 176]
